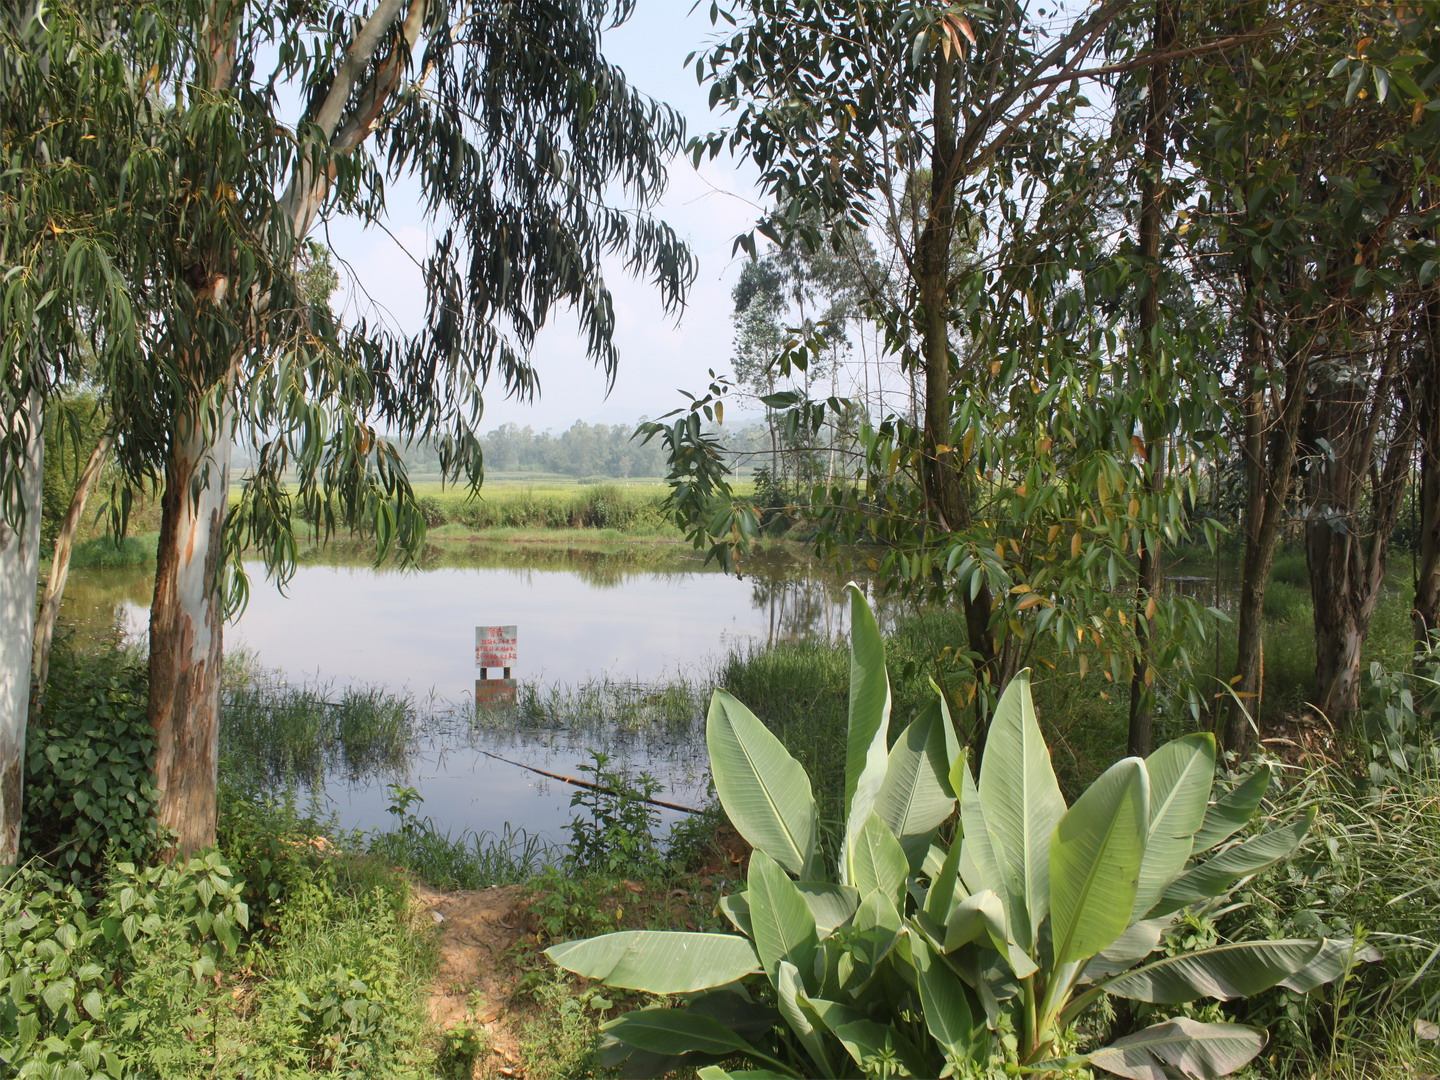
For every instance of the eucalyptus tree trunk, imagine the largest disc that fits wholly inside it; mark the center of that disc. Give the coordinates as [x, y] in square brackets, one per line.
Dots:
[1271, 433]
[19, 567]
[1345, 545]
[188, 610]
[1150, 571]
[186, 625]
[946, 490]
[60, 564]
[1425, 391]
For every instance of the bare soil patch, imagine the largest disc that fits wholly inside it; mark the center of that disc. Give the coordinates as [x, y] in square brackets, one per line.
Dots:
[474, 980]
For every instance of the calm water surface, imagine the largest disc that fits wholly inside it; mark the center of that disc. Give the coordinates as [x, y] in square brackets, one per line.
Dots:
[584, 618]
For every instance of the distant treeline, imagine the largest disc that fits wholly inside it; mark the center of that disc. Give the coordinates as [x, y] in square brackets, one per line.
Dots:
[581, 450]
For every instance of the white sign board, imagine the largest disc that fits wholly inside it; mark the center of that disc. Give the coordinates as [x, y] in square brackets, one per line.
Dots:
[495, 647]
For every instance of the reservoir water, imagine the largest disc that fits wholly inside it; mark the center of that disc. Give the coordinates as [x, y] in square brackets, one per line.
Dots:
[599, 630]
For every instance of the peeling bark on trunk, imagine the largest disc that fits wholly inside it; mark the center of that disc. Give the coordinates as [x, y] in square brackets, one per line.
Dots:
[186, 623]
[19, 566]
[60, 565]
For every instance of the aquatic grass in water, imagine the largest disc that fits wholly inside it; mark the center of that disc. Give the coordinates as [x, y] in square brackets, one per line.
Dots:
[274, 734]
[604, 711]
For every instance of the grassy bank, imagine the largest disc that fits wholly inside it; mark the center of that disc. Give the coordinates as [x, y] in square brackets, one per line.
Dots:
[574, 515]
[295, 949]
[634, 510]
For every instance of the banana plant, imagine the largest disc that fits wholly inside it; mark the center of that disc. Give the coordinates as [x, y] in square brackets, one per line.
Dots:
[947, 944]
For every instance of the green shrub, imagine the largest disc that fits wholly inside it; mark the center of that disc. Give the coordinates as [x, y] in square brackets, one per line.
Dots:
[614, 833]
[116, 982]
[273, 848]
[88, 766]
[432, 510]
[168, 971]
[342, 992]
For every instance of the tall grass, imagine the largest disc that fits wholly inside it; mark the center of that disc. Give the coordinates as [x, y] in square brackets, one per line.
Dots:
[115, 553]
[274, 734]
[1371, 869]
[801, 690]
[471, 860]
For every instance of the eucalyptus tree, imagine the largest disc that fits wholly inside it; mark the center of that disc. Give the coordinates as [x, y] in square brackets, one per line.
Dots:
[839, 104]
[1369, 404]
[1313, 159]
[818, 295]
[71, 98]
[515, 129]
[939, 128]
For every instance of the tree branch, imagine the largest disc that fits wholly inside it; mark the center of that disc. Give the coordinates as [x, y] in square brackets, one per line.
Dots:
[1203, 49]
[308, 185]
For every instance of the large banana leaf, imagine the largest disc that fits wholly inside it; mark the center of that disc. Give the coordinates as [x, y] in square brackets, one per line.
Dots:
[780, 919]
[1022, 804]
[1181, 774]
[675, 1031]
[1095, 862]
[1232, 811]
[867, 737]
[877, 861]
[658, 961]
[1215, 876]
[914, 797]
[830, 905]
[1195, 1050]
[944, 1001]
[982, 862]
[1234, 971]
[800, 1015]
[764, 791]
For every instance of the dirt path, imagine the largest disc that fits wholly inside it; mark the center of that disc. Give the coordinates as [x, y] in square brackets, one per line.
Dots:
[474, 981]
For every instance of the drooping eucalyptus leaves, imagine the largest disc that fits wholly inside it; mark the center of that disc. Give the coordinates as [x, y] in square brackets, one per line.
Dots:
[918, 955]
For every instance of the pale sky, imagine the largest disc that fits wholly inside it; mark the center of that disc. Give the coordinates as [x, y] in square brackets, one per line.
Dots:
[707, 208]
